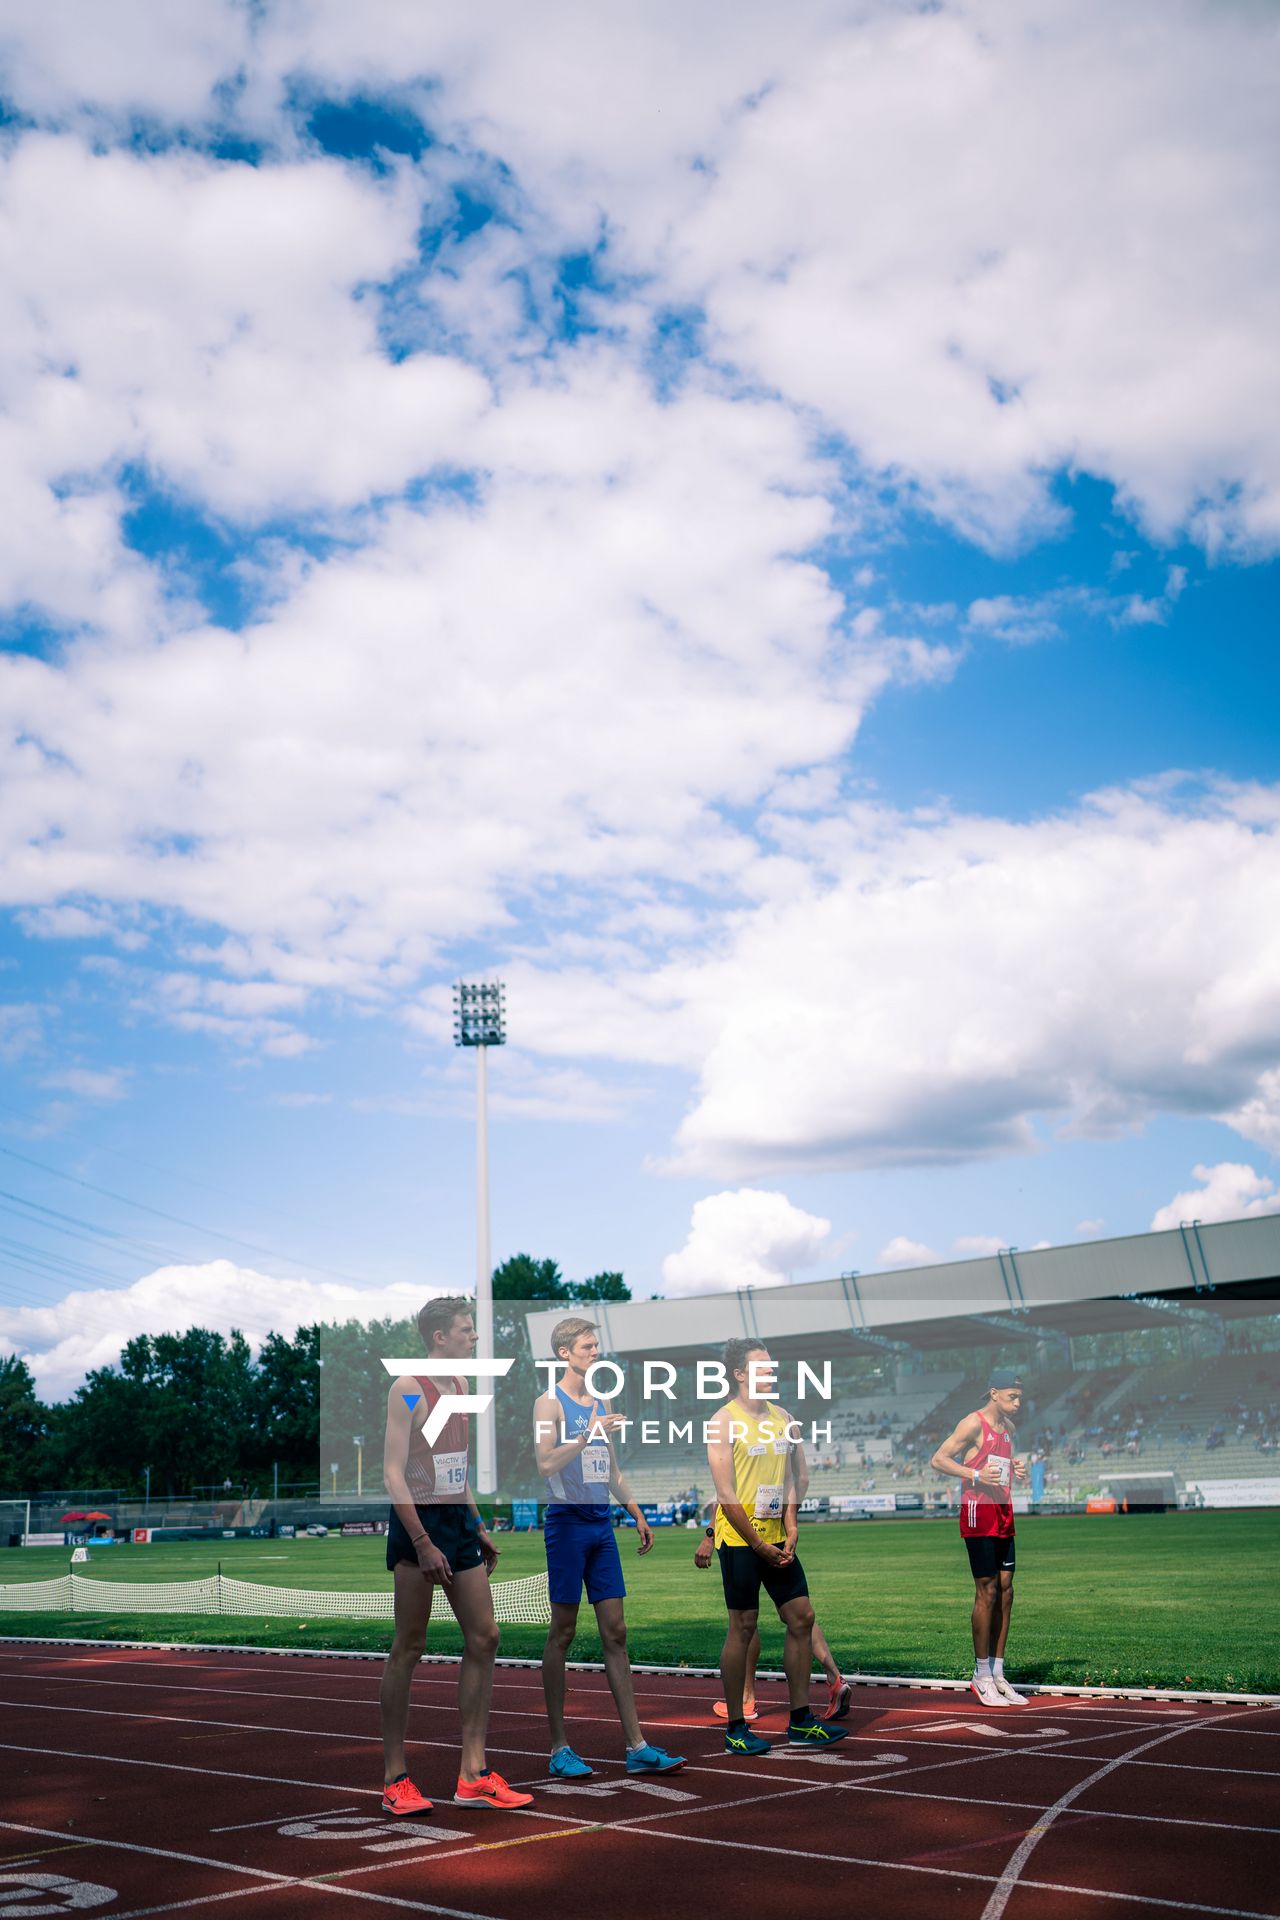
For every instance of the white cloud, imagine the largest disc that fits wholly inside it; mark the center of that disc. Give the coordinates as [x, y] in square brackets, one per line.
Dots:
[21, 1029]
[1258, 1117]
[88, 1329]
[91, 1083]
[934, 987]
[745, 1238]
[1089, 1228]
[1228, 1191]
[904, 1252]
[977, 1246]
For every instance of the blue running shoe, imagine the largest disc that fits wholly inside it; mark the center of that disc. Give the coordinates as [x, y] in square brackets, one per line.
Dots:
[566, 1765]
[653, 1760]
[745, 1742]
[814, 1733]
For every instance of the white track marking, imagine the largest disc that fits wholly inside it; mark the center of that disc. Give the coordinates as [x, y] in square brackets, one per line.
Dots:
[1030, 1841]
[1143, 1900]
[1082, 1697]
[177, 1766]
[260, 1874]
[29, 1893]
[524, 1753]
[243, 1826]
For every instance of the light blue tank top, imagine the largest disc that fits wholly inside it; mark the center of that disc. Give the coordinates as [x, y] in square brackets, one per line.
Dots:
[583, 1482]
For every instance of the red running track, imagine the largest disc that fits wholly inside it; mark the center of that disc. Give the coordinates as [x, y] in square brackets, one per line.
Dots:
[146, 1782]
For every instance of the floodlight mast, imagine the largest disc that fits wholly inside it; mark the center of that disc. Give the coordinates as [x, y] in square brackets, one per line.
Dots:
[479, 1021]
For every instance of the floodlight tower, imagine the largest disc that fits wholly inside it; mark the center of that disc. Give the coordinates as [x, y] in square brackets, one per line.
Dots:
[479, 1021]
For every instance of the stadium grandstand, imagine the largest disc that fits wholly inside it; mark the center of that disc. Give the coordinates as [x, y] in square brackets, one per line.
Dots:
[1151, 1368]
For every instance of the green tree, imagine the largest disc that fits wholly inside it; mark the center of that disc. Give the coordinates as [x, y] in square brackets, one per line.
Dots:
[286, 1408]
[23, 1425]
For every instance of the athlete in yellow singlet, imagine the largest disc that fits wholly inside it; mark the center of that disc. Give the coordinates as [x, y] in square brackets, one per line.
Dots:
[749, 1453]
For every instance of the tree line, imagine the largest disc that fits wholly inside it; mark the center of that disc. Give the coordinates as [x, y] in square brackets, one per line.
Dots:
[200, 1408]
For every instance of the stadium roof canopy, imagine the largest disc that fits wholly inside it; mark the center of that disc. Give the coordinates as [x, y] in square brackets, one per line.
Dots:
[1100, 1286]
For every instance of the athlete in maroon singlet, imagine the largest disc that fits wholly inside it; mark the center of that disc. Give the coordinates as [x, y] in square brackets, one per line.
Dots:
[980, 1453]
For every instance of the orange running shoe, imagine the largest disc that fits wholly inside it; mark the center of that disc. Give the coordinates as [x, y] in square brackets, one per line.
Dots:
[721, 1711]
[402, 1797]
[839, 1694]
[490, 1790]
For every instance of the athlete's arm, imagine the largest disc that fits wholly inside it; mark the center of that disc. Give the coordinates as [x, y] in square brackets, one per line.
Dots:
[720, 1461]
[395, 1453]
[949, 1458]
[552, 1454]
[795, 1477]
[488, 1552]
[621, 1491]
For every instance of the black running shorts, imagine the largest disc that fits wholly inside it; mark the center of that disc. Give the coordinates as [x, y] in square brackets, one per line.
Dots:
[744, 1573]
[452, 1528]
[990, 1555]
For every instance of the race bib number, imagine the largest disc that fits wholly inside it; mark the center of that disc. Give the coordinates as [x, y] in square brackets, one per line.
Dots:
[768, 1503]
[451, 1472]
[595, 1466]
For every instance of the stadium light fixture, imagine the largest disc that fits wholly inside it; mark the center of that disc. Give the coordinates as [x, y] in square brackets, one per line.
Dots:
[480, 1022]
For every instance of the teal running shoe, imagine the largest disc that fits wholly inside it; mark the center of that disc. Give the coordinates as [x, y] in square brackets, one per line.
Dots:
[745, 1743]
[814, 1733]
[567, 1765]
[648, 1759]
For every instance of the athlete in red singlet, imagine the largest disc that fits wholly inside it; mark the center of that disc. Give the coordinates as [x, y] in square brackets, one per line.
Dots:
[435, 1537]
[980, 1453]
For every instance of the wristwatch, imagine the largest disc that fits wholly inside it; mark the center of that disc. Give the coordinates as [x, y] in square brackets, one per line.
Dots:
[710, 1533]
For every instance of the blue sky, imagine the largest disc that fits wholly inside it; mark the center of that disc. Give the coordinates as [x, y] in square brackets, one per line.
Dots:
[801, 608]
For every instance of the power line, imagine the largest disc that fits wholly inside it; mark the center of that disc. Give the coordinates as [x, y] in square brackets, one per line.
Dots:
[176, 1220]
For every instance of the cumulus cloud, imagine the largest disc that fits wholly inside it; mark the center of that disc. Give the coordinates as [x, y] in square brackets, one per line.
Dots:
[1228, 1191]
[744, 1238]
[902, 1251]
[945, 987]
[537, 629]
[89, 1328]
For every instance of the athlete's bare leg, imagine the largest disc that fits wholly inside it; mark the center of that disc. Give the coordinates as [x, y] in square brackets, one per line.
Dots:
[564, 1624]
[613, 1639]
[986, 1604]
[472, 1601]
[743, 1625]
[413, 1593]
[1000, 1629]
[823, 1655]
[797, 1654]
[749, 1678]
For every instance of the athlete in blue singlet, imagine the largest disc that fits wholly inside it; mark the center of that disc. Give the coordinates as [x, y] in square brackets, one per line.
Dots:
[571, 1430]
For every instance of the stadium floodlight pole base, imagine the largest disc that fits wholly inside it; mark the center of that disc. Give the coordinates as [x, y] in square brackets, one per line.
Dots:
[916, 1683]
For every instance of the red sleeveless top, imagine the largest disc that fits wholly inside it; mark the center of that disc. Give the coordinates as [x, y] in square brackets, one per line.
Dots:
[436, 1474]
[988, 1511]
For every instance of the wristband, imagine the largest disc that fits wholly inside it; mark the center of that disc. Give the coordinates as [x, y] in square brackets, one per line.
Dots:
[418, 1539]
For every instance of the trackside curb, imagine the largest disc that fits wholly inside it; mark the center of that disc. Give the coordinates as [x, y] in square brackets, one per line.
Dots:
[914, 1683]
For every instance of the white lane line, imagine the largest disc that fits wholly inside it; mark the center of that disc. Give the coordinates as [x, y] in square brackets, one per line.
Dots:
[1031, 1839]
[1150, 1702]
[278, 1819]
[530, 1753]
[176, 1766]
[1052, 1748]
[261, 1874]
[1143, 1900]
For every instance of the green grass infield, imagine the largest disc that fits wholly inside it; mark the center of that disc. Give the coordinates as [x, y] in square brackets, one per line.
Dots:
[1160, 1600]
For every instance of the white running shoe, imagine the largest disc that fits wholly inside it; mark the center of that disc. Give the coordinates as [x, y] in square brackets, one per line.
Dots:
[1010, 1695]
[984, 1685]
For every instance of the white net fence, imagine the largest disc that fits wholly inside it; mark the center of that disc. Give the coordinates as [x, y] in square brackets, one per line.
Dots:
[515, 1602]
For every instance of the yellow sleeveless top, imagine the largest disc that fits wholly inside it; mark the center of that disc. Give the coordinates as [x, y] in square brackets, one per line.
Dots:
[760, 1455]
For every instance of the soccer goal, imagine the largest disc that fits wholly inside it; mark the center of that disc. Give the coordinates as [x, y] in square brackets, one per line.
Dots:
[15, 1523]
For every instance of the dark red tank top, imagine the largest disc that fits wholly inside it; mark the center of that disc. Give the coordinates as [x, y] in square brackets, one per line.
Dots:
[436, 1474]
[988, 1510]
